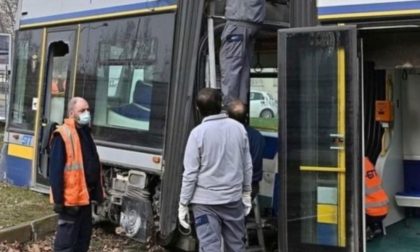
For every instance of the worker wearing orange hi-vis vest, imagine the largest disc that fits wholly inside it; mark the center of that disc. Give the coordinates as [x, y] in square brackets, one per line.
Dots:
[376, 200]
[75, 178]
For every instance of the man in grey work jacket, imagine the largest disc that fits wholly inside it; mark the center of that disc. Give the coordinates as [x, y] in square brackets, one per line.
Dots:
[217, 178]
[244, 18]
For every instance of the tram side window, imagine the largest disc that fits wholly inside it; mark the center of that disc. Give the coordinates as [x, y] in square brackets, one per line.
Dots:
[125, 70]
[263, 102]
[25, 79]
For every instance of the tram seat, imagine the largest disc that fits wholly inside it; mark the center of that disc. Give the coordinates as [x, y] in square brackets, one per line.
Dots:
[408, 199]
[136, 113]
[411, 195]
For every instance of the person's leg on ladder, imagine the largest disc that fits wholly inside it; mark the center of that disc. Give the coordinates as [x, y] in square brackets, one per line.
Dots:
[232, 62]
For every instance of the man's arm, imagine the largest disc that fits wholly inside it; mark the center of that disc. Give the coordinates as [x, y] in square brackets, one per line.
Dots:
[100, 187]
[57, 163]
[98, 193]
[191, 169]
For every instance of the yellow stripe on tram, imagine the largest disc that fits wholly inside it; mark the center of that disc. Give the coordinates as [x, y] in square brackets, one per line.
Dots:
[341, 117]
[20, 151]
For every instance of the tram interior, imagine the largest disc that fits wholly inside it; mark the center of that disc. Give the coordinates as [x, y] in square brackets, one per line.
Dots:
[391, 71]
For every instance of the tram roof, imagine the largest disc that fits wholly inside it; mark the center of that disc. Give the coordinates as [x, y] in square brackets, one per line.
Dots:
[51, 12]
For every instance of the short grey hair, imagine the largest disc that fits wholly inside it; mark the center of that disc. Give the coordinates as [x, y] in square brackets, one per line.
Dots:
[73, 101]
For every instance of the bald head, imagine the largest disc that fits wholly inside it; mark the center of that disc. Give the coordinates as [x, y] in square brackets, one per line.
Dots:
[236, 110]
[76, 106]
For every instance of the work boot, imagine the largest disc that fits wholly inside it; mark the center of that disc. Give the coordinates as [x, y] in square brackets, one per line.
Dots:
[377, 229]
[369, 234]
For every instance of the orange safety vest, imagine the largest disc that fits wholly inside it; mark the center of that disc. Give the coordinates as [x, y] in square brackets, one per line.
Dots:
[376, 199]
[75, 188]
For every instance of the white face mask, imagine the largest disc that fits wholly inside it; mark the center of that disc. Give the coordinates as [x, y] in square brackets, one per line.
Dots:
[84, 118]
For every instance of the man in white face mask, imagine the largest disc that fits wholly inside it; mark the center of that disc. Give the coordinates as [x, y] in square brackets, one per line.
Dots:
[80, 111]
[75, 178]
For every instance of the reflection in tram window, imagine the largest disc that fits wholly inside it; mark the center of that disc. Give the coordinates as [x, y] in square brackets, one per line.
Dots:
[60, 64]
[59, 81]
[263, 102]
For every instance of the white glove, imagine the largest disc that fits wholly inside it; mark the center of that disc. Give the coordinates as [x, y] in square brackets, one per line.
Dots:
[184, 216]
[246, 200]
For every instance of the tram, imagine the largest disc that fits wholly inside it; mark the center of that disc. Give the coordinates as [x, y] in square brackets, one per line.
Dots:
[139, 64]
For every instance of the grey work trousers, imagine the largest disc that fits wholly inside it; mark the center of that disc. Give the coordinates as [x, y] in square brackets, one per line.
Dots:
[235, 61]
[212, 222]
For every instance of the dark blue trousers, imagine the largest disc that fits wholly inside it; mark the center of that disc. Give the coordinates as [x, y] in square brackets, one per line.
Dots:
[74, 230]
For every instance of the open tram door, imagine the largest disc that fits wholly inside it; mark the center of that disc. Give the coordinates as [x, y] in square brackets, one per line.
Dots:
[56, 90]
[320, 138]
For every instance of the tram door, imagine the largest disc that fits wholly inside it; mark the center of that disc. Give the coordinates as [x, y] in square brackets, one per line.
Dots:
[320, 139]
[56, 90]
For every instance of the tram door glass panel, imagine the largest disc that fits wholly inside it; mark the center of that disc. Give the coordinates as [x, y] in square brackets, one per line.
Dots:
[56, 91]
[319, 185]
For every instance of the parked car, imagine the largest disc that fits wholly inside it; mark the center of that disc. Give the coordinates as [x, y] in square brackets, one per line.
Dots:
[262, 104]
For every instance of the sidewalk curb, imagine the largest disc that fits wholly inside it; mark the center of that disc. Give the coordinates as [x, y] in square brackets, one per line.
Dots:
[32, 230]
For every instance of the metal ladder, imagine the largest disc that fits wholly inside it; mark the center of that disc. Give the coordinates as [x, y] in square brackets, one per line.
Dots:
[257, 225]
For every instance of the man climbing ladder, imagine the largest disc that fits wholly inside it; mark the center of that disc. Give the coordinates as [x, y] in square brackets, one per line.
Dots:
[243, 21]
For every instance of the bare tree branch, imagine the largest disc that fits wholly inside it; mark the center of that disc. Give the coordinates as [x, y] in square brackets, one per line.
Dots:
[7, 15]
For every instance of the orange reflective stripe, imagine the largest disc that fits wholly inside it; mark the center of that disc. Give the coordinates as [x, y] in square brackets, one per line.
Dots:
[373, 189]
[377, 204]
[72, 167]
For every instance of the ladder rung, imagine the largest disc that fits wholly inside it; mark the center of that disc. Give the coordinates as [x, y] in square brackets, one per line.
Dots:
[253, 226]
[254, 249]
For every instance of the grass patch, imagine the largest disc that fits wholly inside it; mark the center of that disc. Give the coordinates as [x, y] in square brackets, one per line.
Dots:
[264, 124]
[19, 205]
